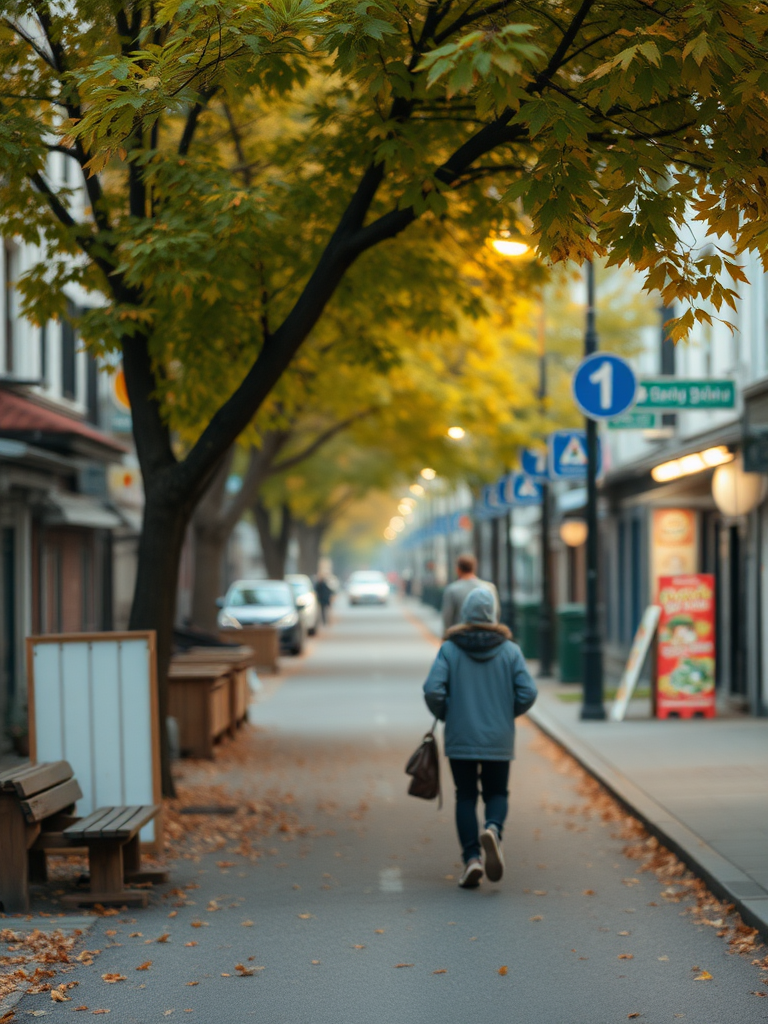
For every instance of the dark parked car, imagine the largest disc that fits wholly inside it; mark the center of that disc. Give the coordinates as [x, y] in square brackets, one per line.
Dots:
[264, 602]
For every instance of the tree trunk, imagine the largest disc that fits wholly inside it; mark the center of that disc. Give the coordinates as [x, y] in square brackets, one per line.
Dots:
[310, 538]
[210, 549]
[154, 599]
[274, 548]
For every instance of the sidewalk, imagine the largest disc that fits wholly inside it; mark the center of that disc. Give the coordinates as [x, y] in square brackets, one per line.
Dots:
[700, 786]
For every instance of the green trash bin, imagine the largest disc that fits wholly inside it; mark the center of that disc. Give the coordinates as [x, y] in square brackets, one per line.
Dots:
[570, 633]
[527, 626]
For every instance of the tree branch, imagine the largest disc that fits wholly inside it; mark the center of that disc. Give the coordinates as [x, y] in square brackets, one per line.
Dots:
[319, 441]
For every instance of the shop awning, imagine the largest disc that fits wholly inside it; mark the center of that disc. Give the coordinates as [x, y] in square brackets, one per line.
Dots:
[78, 510]
[25, 419]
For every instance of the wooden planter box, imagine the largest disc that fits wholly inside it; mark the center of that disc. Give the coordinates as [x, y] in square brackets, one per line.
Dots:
[264, 641]
[199, 699]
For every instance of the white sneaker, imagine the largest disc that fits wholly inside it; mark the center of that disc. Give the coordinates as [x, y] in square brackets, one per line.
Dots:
[473, 872]
[494, 862]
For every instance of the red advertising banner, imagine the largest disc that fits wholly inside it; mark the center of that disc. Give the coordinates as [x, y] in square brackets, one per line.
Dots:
[685, 664]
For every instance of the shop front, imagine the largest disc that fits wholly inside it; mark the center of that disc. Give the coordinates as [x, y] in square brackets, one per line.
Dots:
[685, 526]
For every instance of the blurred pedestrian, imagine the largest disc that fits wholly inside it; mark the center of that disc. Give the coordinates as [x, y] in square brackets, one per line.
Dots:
[324, 593]
[478, 685]
[456, 593]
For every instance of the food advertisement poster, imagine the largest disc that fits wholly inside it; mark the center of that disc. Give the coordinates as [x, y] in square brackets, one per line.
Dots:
[674, 542]
[686, 646]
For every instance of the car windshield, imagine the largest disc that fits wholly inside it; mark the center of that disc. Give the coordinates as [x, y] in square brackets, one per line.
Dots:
[367, 577]
[265, 595]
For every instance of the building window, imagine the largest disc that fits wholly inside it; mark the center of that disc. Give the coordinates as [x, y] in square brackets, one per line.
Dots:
[92, 388]
[68, 354]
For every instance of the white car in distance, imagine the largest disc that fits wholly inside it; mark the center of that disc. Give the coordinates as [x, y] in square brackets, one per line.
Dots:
[367, 586]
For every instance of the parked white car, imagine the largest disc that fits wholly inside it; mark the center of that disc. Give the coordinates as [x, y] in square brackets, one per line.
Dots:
[264, 603]
[367, 586]
[306, 601]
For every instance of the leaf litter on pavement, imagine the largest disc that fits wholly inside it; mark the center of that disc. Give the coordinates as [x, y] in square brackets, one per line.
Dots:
[679, 884]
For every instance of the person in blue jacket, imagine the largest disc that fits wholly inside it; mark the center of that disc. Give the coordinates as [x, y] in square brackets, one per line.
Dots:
[478, 685]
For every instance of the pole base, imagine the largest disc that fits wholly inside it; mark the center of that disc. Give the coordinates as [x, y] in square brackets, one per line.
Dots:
[592, 713]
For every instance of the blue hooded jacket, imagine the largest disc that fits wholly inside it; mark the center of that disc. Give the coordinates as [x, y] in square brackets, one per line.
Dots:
[479, 684]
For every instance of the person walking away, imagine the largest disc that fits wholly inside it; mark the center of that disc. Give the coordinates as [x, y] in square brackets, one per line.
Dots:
[478, 685]
[456, 593]
[324, 597]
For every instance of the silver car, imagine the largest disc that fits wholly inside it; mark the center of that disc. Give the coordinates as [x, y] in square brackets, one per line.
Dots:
[306, 601]
[264, 603]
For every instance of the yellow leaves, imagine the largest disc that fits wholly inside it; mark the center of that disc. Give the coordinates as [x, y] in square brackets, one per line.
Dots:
[145, 966]
[503, 971]
[305, 917]
[441, 970]
[536, 917]
[704, 976]
[404, 965]
[626, 956]
[164, 937]
[113, 978]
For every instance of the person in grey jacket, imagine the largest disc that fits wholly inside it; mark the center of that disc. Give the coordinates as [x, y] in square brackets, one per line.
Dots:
[455, 594]
[478, 685]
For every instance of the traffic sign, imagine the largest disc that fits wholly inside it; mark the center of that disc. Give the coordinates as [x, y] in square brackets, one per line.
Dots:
[568, 455]
[634, 420]
[534, 463]
[604, 386]
[674, 394]
[520, 489]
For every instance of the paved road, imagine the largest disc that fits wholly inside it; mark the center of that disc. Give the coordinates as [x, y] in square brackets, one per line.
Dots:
[373, 886]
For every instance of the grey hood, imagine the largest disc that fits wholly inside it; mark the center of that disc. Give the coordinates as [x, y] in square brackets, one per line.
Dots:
[478, 633]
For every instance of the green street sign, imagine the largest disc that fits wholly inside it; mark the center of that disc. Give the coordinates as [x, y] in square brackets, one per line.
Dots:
[633, 420]
[675, 394]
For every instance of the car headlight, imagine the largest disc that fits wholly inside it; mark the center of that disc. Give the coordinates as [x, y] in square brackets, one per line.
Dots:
[228, 621]
[287, 620]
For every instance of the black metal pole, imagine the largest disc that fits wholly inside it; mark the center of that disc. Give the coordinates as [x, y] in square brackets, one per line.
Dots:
[495, 561]
[510, 556]
[545, 610]
[592, 647]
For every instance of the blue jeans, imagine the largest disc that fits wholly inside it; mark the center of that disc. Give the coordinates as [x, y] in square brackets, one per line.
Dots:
[494, 776]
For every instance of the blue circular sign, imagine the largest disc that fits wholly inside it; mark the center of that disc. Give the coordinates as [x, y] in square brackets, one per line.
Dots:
[604, 386]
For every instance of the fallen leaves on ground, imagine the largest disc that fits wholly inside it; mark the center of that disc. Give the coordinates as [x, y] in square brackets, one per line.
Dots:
[536, 917]
[164, 937]
[112, 978]
[704, 976]
[404, 965]
[631, 1015]
[503, 971]
[101, 1011]
[626, 956]
[679, 884]
[145, 966]
[36, 948]
[441, 970]
[305, 917]
[190, 943]
[378, 931]
[247, 924]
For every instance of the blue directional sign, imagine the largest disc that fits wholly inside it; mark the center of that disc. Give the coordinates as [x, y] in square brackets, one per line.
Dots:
[604, 386]
[534, 463]
[526, 491]
[568, 455]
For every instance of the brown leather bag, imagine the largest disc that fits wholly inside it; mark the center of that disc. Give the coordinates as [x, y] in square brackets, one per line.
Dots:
[424, 768]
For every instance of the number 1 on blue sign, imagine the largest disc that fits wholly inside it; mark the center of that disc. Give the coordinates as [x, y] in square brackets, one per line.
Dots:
[603, 376]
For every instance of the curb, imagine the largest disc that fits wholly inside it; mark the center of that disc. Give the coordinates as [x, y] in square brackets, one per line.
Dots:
[722, 877]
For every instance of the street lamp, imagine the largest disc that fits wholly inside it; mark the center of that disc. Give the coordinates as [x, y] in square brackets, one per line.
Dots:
[456, 433]
[516, 248]
[592, 646]
[428, 474]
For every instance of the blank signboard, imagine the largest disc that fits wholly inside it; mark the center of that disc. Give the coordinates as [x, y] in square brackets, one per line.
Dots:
[93, 702]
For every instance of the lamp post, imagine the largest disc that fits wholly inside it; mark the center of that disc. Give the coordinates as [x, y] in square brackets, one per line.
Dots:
[545, 611]
[592, 646]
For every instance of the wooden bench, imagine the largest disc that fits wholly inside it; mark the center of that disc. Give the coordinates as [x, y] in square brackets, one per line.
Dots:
[36, 801]
[114, 854]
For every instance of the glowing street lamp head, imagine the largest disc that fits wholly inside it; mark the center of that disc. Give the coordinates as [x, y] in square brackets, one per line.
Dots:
[397, 523]
[416, 489]
[510, 247]
[428, 474]
[389, 533]
[405, 509]
[456, 433]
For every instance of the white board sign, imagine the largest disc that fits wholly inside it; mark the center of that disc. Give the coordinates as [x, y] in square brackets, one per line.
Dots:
[93, 702]
[641, 643]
